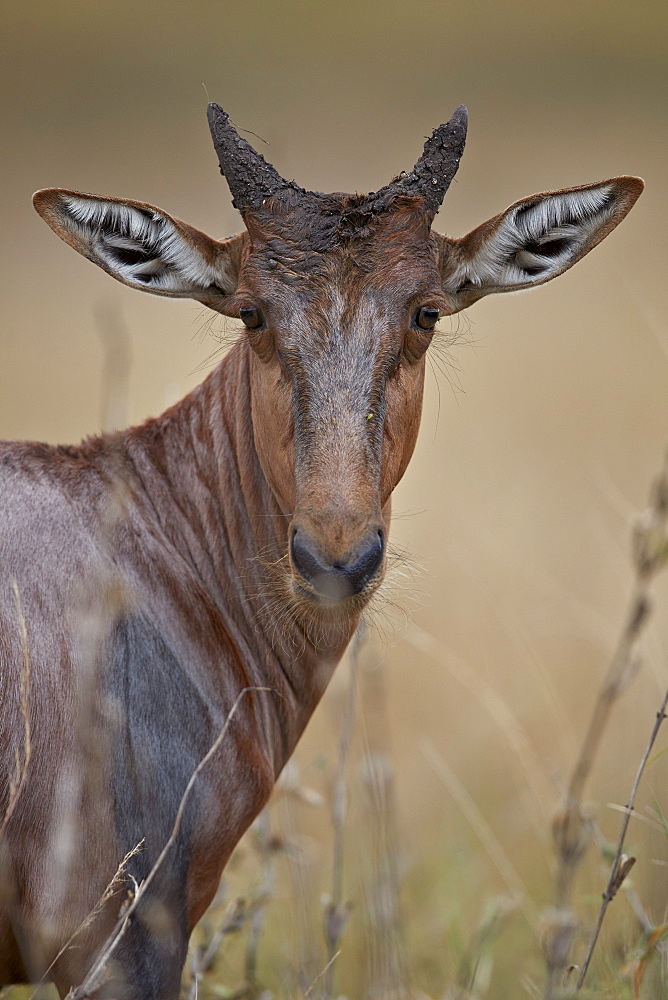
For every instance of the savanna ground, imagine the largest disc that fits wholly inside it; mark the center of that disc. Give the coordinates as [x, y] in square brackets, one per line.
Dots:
[543, 430]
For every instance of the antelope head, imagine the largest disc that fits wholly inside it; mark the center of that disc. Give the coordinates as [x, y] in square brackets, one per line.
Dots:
[340, 296]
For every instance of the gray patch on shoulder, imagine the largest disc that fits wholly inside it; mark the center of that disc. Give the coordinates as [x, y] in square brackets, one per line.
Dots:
[162, 730]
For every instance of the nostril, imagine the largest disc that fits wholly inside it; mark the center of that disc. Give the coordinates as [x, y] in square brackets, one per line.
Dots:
[367, 563]
[304, 558]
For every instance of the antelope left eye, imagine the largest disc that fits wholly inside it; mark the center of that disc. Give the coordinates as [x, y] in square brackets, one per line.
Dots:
[427, 318]
[251, 317]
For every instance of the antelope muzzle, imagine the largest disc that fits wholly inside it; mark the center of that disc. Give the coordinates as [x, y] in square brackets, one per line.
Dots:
[334, 578]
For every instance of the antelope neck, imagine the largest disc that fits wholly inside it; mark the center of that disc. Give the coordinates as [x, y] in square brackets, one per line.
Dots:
[202, 480]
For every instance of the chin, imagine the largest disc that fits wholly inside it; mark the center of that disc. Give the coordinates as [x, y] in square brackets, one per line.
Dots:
[295, 613]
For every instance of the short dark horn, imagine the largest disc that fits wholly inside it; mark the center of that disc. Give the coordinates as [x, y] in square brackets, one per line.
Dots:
[433, 172]
[250, 178]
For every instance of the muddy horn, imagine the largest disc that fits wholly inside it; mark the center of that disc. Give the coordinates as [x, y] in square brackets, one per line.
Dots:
[433, 172]
[250, 178]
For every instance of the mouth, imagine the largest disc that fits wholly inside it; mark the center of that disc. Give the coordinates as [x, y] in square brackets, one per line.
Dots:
[333, 592]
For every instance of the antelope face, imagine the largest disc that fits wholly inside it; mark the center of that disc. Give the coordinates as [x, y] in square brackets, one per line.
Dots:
[339, 324]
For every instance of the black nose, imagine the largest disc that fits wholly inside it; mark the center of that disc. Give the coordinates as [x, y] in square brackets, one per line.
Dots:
[337, 580]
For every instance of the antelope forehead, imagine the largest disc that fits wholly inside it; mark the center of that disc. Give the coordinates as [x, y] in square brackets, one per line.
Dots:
[341, 322]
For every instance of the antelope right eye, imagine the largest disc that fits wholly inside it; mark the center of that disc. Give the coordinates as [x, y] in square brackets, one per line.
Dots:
[427, 318]
[251, 317]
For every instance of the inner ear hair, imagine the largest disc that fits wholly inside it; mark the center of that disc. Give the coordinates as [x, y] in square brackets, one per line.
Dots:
[537, 238]
[547, 231]
[140, 245]
[126, 238]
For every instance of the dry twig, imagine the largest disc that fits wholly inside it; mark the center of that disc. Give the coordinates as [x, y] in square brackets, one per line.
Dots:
[571, 827]
[622, 865]
[320, 975]
[203, 958]
[337, 909]
[267, 846]
[389, 965]
[96, 973]
[87, 921]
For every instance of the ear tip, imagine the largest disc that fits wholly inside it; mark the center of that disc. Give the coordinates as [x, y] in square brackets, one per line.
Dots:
[45, 199]
[630, 189]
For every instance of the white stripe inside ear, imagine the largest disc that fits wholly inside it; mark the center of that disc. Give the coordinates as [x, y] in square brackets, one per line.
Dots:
[139, 245]
[538, 238]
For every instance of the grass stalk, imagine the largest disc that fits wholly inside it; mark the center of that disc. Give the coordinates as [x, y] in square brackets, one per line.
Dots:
[621, 865]
[96, 973]
[572, 827]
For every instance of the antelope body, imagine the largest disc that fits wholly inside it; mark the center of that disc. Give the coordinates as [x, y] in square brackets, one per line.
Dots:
[148, 577]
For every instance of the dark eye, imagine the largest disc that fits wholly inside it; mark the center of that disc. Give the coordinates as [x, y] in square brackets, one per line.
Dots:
[251, 317]
[426, 318]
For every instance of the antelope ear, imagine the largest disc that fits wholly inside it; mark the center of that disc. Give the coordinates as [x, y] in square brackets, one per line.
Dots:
[534, 240]
[144, 247]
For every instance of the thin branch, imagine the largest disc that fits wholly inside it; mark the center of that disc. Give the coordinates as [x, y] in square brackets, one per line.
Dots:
[389, 965]
[572, 827]
[337, 911]
[321, 974]
[621, 865]
[92, 980]
[266, 846]
[203, 959]
[106, 895]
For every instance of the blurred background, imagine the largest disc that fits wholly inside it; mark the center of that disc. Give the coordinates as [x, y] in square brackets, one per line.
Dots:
[542, 429]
